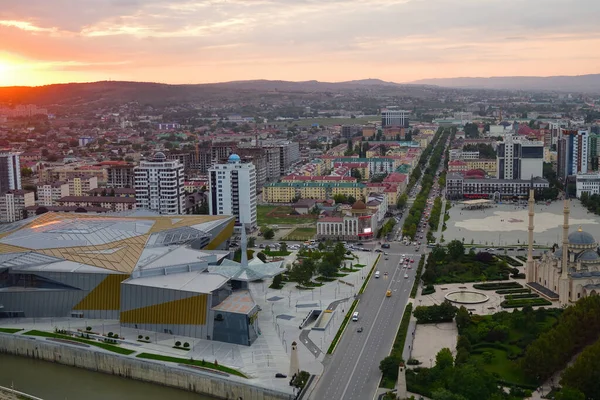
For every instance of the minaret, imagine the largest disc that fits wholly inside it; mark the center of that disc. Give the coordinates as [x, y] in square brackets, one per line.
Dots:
[401, 392]
[530, 269]
[563, 284]
[565, 241]
[244, 259]
[294, 363]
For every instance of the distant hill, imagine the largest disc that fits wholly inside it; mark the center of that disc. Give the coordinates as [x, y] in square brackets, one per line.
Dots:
[580, 83]
[98, 93]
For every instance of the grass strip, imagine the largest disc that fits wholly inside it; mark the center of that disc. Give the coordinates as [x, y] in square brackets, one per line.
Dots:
[201, 363]
[105, 346]
[340, 331]
[10, 330]
[398, 346]
[413, 292]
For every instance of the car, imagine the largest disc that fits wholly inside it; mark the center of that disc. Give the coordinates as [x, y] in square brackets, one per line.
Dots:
[387, 258]
[385, 273]
[405, 276]
[385, 254]
[359, 330]
[379, 250]
[280, 375]
[388, 293]
[409, 266]
[376, 274]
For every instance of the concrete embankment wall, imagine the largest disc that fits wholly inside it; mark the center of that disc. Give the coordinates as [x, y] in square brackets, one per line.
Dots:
[230, 388]
[11, 394]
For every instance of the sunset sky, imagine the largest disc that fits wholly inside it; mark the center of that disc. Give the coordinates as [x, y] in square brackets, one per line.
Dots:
[199, 41]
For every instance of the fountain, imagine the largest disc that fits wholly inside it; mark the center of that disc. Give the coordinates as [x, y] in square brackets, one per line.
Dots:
[466, 297]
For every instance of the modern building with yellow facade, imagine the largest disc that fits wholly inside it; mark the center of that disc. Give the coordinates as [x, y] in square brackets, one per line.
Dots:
[151, 272]
[489, 166]
[286, 192]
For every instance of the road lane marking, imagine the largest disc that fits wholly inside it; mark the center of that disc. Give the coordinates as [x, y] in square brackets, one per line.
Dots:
[366, 341]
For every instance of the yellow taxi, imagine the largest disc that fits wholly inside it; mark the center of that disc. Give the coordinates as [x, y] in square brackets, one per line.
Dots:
[388, 293]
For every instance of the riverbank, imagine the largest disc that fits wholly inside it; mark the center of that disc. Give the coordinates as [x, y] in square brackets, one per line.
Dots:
[10, 394]
[166, 374]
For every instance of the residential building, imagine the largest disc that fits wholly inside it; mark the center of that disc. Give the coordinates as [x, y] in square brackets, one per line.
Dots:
[457, 166]
[120, 176]
[159, 185]
[392, 117]
[289, 153]
[116, 203]
[10, 172]
[593, 151]
[519, 159]
[382, 165]
[572, 158]
[489, 166]
[82, 185]
[458, 187]
[49, 193]
[13, 204]
[66, 173]
[85, 140]
[587, 183]
[232, 191]
[286, 192]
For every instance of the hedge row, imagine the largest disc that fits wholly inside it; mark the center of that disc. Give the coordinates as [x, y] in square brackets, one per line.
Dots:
[513, 291]
[525, 302]
[521, 296]
[497, 285]
[509, 260]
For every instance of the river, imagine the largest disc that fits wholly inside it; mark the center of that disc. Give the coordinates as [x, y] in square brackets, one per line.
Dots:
[60, 382]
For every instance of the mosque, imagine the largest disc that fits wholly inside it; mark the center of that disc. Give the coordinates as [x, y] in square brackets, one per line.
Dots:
[567, 272]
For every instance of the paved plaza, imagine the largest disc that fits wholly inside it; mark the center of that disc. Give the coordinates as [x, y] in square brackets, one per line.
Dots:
[506, 224]
[282, 312]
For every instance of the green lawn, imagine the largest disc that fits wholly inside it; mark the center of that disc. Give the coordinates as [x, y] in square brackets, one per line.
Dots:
[208, 365]
[10, 330]
[301, 234]
[263, 219]
[506, 369]
[105, 346]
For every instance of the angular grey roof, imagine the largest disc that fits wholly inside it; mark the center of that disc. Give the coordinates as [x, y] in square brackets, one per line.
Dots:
[251, 272]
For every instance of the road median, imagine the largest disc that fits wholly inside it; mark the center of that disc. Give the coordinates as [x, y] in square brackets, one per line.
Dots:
[340, 331]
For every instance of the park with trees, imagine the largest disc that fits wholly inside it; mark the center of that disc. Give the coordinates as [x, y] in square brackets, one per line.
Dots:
[450, 264]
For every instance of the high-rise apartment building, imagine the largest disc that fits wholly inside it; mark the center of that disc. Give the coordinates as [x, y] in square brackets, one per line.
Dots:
[289, 153]
[593, 151]
[159, 185]
[519, 159]
[120, 176]
[13, 204]
[10, 172]
[394, 118]
[572, 157]
[49, 193]
[232, 191]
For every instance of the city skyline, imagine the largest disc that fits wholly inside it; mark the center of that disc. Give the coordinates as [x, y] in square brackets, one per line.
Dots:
[187, 41]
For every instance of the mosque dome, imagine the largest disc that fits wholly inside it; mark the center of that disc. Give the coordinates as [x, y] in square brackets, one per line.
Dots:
[234, 158]
[581, 238]
[558, 253]
[159, 156]
[359, 205]
[588, 255]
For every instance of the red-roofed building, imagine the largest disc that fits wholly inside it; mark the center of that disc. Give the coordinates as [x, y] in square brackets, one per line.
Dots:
[325, 179]
[457, 166]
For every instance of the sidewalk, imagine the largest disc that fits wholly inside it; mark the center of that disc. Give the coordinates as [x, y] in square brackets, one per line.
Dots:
[282, 312]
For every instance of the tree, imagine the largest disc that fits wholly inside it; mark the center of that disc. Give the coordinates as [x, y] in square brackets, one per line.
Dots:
[269, 234]
[582, 375]
[567, 393]
[456, 249]
[463, 319]
[283, 246]
[443, 394]
[251, 241]
[402, 199]
[356, 174]
[277, 280]
[389, 367]
[472, 382]
[26, 172]
[444, 359]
